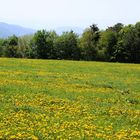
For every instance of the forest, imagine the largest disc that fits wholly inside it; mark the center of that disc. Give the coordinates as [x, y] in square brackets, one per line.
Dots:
[118, 43]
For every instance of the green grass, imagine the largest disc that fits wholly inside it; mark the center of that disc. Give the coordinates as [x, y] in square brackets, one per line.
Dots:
[49, 99]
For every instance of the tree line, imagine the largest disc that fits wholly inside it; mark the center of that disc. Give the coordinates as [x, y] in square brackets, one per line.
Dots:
[118, 43]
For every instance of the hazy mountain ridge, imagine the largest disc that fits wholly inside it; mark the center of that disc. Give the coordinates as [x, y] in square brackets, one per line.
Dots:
[77, 30]
[10, 29]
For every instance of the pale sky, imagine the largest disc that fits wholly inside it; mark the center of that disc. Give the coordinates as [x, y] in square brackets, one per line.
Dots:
[51, 14]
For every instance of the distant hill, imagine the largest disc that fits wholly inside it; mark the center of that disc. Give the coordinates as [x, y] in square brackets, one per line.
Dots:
[10, 29]
[77, 30]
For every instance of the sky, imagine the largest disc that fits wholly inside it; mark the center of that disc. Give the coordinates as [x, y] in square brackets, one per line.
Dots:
[50, 14]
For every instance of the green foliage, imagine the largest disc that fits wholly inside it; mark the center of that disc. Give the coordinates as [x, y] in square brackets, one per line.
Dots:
[10, 51]
[66, 46]
[116, 28]
[1, 47]
[50, 40]
[41, 45]
[128, 46]
[118, 43]
[1, 51]
[107, 43]
[13, 40]
[24, 44]
[88, 44]
[94, 28]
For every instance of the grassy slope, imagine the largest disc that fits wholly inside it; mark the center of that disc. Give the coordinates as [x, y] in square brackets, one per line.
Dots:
[48, 99]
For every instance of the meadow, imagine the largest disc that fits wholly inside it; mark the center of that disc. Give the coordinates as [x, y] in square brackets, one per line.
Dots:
[77, 100]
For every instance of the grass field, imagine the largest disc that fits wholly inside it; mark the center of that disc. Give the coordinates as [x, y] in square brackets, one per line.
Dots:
[48, 99]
